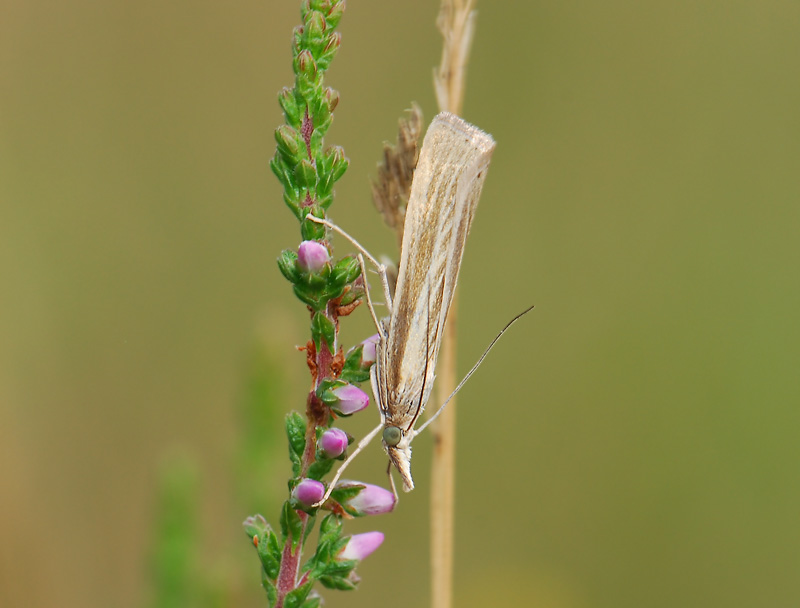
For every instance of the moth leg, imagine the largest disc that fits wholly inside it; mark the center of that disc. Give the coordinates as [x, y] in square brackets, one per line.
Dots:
[391, 481]
[380, 267]
[361, 445]
[369, 299]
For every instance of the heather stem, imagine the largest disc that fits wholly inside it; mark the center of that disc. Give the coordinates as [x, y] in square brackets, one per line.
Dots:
[290, 564]
[308, 171]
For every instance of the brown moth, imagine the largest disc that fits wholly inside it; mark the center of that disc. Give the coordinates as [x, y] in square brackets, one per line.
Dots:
[445, 189]
[444, 194]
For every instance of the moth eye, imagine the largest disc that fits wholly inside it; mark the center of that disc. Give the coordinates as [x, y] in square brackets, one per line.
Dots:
[392, 436]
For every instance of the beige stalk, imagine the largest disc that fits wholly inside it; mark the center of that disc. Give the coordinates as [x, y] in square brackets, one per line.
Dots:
[456, 22]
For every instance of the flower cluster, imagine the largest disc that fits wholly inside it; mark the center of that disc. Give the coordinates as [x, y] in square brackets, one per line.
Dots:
[336, 556]
[330, 289]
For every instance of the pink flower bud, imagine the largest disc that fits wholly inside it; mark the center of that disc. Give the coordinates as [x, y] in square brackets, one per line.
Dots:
[312, 256]
[308, 492]
[368, 354]
[372, 500]
[361, 545]
[333, 442]
[351, 399]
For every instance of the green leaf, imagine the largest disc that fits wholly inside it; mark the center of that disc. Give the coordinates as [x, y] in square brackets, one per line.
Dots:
[339, 162]
[287, 264]
[296, 597]
[293, 200]
[305, 174]
[340, 567]
[346, 493]
[272, 591]
[256, 525]
[322, 328]
[274, 546]
[314, 32]
[291, 109]
[270, 554]
[320, 468]
[326, 388]
[350, 296]
[284, 522]
[324, 201]
[310, 297]
[322, 121]
[288, 141]
[330, 528]
[315, 143]
[296, 433]
[291, 525]
[346, 271]
[297, 40]
[284, 173]
[353, 371]
[317, 281]
[324, 182]
[312, 231]
[305, 67]
[335, 14]
[329, 50]
[337, 582]
[307, 75]
[313, 602]
[331, 98]
[312, 519]
[343, 495]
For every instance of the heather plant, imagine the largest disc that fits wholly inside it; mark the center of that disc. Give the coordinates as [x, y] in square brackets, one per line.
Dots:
[331, 289]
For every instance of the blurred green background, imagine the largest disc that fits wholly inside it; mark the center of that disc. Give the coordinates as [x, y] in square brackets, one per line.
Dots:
[633, 442]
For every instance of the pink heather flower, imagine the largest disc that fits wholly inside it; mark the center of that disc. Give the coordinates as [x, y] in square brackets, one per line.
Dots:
[351, 399]
[333, 442]
[308, 492]
[361, 545]
[368, 354]
[372, 500]
[312, 256]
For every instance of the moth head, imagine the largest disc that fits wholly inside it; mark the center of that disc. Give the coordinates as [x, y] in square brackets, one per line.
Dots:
[396, 443]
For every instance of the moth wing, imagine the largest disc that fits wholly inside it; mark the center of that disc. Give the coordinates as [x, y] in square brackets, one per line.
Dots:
[444, 194]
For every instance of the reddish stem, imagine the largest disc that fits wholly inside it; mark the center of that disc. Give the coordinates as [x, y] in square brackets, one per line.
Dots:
[306, 129]
[290, 564]
[290, 560]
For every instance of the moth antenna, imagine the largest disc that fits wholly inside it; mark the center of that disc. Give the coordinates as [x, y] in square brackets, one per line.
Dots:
[474, 368]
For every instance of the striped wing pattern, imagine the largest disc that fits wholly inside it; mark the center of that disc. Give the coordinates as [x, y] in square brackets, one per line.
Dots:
[444, 194]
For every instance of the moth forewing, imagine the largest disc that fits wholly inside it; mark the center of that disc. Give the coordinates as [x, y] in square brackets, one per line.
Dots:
[446, 186]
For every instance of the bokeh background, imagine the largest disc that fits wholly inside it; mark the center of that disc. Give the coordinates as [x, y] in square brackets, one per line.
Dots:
[633, 442]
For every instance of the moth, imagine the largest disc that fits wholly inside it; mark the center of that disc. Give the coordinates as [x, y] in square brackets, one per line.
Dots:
[447, 183]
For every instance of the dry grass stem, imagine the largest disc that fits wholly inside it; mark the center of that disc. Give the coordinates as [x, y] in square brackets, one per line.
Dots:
[456, 22]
